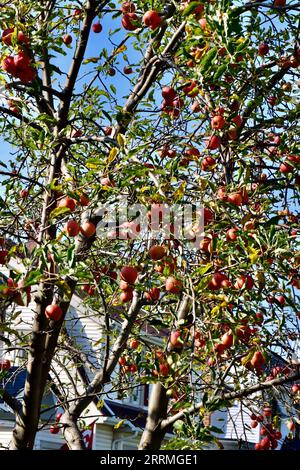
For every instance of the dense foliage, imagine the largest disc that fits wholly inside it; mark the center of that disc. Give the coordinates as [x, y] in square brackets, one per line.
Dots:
[158, 104]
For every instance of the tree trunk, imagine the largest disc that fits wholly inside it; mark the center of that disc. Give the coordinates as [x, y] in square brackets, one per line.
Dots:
[152, 436]
[71, 432]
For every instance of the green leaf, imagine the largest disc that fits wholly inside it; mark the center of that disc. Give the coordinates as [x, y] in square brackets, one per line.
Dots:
[208, 59]
[178, 425]
[190, 8]
[220, 71]
[58, 211]
[32, 278]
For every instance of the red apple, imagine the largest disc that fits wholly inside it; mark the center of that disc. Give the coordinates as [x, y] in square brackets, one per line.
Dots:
[168, 93]
[122, 361]
[67, 39]
[27, 75]
[227, 339]
[7, 36]
[281, 300]
[244, 281]
[107, 130]
[208, 163]
[128, 7]
[272, 100]
[54, 429]
[208, 216]
[129, 274]
[156, 252]
[267, 411]
[231, 234]
[152, 295]
[22, 60]
[129, 21]
[127, 70]
[152, 19]
[96, 27]
[72, 228]
[257, 360]
[279, 3]
[8, 65]
[173, 285]
[53, 312]
[23, 193]
[286, 168]
[133, 368]
[217, 280]
[3, 256]
[213, 142]
[84, 200]
[235, 198]
[133, 343]
[237, 120]
[68, 202]
[126, 296]
[263, 49]
[88, 229]
[176, 340]
[5, 364]
[164, 369]
[219, 349]
[218, 122]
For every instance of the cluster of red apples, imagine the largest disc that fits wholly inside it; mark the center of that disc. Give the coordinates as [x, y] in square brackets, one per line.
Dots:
[131, 21]
[270, 435]
[19, 65]
[129, 275]
[72, 227]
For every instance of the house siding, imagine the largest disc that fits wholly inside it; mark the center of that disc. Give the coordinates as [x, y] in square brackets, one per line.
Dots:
[103, 437]
[47, 441]
[5, 435]
[236, 425]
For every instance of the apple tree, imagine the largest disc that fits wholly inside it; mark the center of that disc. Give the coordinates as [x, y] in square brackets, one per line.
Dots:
[162, 105]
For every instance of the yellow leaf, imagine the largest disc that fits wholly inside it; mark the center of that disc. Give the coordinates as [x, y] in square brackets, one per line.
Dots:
[120, 49]
[65, 286]
[112, 154]
[100, 404]
[92, 166]
[119, 424]
[253, 254]
[180, 191]
[203, 183]
[121, 140]
[215, 309]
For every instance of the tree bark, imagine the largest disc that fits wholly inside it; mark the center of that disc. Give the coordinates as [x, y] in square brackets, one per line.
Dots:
[154, 434]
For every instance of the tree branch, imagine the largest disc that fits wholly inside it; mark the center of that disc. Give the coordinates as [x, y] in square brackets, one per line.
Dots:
[231, 396]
